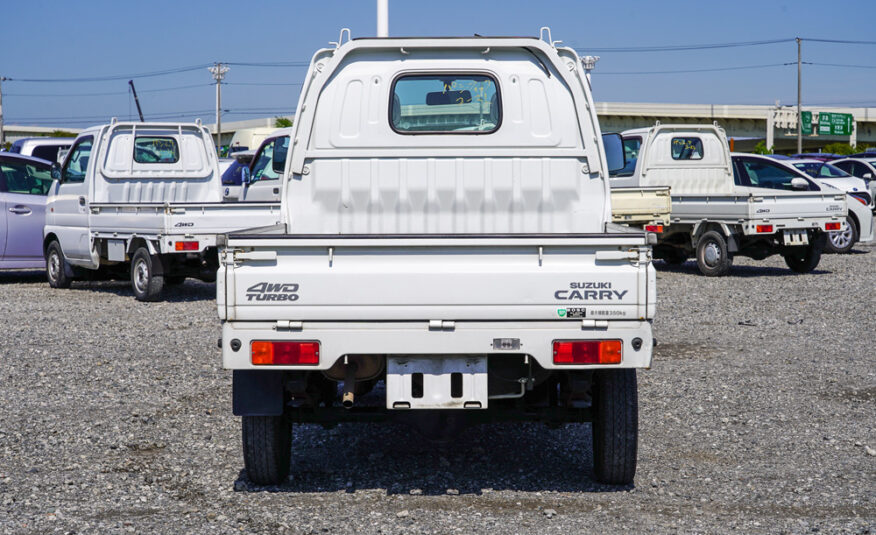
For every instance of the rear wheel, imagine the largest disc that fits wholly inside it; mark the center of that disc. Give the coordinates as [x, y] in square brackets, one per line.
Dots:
[615, 426]
[713, 257]
[146, 279]
[267, 444]
[841, 241]
[56, 267]
[806, 259]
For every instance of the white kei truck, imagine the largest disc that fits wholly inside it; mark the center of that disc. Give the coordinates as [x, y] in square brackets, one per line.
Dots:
[727, 205]
[142, 200]
[446, 258]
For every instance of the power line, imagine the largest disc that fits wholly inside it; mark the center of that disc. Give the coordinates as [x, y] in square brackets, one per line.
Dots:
[671, 48]
[265, 83]
[741, 67]
[838, 41]
[839, 65]
[270, 64]
[115, 77]
[106, 93]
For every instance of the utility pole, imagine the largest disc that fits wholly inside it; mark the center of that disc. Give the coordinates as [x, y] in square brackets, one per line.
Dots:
[2, 133]
[382, 18]
[799, 100]
[218, 71]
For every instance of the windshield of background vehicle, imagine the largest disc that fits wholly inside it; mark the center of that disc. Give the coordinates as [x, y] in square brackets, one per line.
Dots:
[821, 170]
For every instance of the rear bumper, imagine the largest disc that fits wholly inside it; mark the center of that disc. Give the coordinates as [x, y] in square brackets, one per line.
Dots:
[416, 338]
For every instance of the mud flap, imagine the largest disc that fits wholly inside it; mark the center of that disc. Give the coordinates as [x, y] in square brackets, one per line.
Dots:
[257, 393]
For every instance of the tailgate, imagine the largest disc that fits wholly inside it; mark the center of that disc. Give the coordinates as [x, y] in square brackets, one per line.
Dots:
[797, 206]
[597, 277]
[220, 218]
[641, 205]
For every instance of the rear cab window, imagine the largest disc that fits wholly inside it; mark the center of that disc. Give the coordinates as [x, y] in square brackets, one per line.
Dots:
[687, 148]
[153, 149]
[445, 104]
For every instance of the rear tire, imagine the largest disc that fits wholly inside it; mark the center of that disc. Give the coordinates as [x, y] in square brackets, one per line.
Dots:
[807, 258]
[713, 257]
[56, 266]
[615, 426]
[146, 281]
[842, 241]
[267, 443]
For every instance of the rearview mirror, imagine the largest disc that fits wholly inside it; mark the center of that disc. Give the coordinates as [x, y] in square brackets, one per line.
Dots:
[799, 183]
[614, 152]
[56, 171]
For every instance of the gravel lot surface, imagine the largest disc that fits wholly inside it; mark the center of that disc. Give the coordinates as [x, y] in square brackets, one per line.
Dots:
[759, 416]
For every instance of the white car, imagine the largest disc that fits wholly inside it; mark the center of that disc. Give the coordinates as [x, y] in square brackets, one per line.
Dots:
[861, 167]
[859, 227]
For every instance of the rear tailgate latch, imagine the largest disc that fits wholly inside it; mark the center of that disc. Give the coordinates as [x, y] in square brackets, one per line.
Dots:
[635, 256]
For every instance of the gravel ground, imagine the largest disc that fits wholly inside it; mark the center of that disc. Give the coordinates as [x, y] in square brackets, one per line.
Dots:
[758, 417]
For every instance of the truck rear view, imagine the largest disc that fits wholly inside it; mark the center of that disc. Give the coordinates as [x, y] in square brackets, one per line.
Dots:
[447, 256]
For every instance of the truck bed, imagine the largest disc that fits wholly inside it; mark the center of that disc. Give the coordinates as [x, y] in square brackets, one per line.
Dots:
[782, 209]
[181, 218]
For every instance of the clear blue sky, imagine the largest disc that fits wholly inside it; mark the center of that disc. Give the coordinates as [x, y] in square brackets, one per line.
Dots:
[55, 39]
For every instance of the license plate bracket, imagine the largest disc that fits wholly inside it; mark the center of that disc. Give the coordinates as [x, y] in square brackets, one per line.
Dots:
[797, 236]
[436, 382]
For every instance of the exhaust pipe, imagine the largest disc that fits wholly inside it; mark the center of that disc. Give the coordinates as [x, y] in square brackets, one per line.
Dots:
[349, 385]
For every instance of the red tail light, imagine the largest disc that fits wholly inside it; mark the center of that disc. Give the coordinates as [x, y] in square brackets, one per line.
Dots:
[654, 228]
[765, 229]
[588, 352]
[833, 226]
[288, 353]
[186, 246]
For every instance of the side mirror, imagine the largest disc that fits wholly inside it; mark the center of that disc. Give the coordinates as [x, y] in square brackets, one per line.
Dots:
[868, 176]
[56, 171]
[799, 183]
[245, 176]
[281, 148]
[614, 152]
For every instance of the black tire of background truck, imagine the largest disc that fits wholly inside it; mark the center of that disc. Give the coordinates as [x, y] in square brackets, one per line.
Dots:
[615, 426]
[850, 238]
[806, 259]
[267, 445]
[713, 258]
[674, 256]
[146, 282]
[56, 266]
[174, 280]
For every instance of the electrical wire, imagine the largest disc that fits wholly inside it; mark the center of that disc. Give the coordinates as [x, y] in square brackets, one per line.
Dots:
[741, 67]
[128, 92]
[114, 77]
[672, 48]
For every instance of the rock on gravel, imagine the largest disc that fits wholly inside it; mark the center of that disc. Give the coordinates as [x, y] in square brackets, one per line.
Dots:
[754, 419]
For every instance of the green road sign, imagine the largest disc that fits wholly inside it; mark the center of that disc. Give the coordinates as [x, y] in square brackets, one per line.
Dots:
[834, 124]
[807, 121]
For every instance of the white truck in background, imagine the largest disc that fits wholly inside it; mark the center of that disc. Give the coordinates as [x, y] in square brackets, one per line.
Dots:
[142, 200]
[725, 206]
[446, 233]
